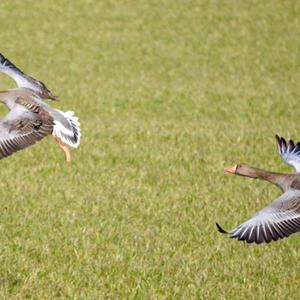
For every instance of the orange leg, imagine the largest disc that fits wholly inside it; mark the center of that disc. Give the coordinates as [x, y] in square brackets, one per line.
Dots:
[63, 147]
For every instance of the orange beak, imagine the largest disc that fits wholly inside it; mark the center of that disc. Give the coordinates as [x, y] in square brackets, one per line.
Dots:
[231, 169]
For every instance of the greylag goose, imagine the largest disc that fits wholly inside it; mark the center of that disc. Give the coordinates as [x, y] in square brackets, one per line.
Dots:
[30, 118]
[282, 217]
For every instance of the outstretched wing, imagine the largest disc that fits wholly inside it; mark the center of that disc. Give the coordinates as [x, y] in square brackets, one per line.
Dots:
[23, 126]
[289, 152]
[276, 221]
[23, 80]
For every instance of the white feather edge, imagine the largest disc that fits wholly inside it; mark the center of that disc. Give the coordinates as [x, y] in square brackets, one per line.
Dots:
[60, 128]
[20, 80]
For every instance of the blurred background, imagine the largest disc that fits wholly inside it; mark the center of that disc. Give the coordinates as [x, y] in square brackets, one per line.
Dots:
[168, 94]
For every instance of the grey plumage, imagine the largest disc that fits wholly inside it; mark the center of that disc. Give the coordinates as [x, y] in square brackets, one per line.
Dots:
[30, 118]
[23, 126]
[278, 220]
[281, 218]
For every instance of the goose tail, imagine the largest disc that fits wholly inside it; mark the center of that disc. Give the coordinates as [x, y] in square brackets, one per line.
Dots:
[68, 130]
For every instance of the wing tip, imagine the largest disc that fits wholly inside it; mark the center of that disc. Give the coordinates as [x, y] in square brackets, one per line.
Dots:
[280, 139]
[285, 146]
[220, 229]
[3, 59]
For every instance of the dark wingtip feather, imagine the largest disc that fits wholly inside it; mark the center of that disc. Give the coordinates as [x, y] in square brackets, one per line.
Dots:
[291, 144]
[282, 144]
[3, 59]
[278, 142]
[221, 229]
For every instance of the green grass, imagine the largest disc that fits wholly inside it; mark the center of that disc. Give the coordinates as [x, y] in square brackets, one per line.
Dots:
[168, 94]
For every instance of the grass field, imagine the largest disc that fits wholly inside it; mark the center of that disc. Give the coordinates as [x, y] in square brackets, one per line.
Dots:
[168, 94]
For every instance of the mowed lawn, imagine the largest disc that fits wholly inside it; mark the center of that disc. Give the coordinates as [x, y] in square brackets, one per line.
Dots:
[168, 94]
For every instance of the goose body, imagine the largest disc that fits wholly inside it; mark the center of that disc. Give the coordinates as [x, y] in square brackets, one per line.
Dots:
[281, 218]
[30, 118]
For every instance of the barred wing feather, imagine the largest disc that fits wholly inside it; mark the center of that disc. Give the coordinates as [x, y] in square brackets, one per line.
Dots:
[278, 220]
[21, 128]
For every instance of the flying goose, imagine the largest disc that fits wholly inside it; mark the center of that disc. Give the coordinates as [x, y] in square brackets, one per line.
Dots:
[30, 118]
[282, 217]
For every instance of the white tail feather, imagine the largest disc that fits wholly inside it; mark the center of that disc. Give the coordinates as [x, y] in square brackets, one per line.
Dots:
[70, 136]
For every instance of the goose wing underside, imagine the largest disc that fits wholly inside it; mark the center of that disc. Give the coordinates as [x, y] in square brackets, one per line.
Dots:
[278, 220]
